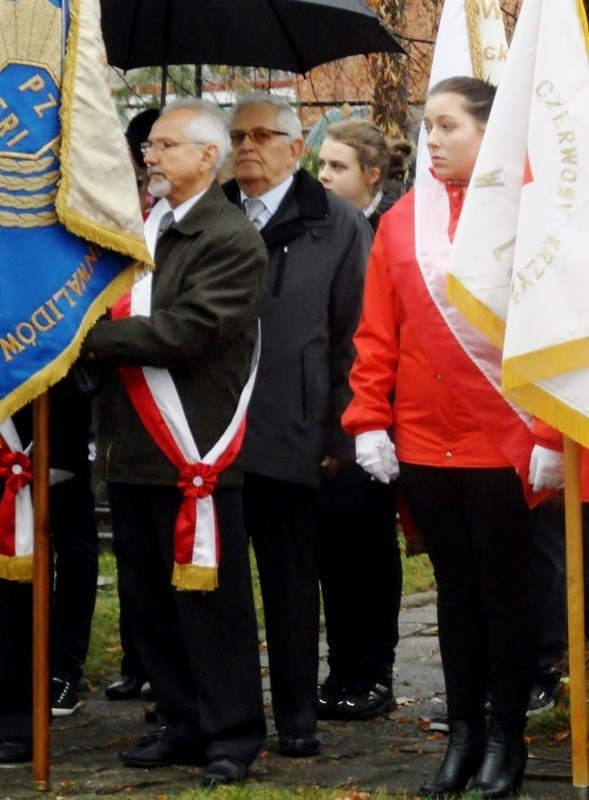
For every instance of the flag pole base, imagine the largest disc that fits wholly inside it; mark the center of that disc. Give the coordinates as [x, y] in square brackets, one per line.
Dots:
[580, 792]
[43, 786]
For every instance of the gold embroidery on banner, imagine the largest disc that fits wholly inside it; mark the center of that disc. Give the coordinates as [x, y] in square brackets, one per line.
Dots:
[567, 143]
[19, 202]
[531, 272]
[43, 45]
[498, 254]
[17, 183]
[488, 179]
[474, 40]
[11, 219]
[30, 179]
[490, 8]
[54, 309]
[25, 166]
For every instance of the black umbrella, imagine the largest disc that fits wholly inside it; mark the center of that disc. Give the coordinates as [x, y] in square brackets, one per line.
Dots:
[292, 35]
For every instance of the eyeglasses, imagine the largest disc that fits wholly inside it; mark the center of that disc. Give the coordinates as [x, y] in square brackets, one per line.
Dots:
[257, 135]
[162, 146]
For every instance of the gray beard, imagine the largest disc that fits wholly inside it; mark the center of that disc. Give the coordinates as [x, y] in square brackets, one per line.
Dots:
[158, 186]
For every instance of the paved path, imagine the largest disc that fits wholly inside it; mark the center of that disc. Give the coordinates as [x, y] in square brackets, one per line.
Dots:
[394, 753]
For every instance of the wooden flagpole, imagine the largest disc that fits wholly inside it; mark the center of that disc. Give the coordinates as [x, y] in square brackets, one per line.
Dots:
[576, 619]
[41, 593]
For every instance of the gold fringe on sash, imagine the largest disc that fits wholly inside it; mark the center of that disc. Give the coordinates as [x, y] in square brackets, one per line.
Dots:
[17, 568]
[191, 577]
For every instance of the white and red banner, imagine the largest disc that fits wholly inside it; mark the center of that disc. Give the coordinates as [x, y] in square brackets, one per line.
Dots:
[519, 261]
[16, 507]
[470, 41]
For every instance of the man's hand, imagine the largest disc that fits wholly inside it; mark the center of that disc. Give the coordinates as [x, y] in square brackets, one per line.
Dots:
[546, 469]
[331, 465]
[375, 453]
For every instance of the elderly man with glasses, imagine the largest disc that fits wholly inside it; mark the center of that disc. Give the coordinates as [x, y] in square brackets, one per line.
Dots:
[183, 350]
[317, 247]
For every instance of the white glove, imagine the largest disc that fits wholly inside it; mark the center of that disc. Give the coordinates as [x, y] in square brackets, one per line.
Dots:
[546, 469]
[375, 453]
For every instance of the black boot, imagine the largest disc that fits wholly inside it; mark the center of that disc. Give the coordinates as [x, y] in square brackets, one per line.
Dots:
[466, 744]
[504, 762]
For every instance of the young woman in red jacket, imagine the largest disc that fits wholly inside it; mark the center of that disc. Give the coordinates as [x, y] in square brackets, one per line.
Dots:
[427, 403]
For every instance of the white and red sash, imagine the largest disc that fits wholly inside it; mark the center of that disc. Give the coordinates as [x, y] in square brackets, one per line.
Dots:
[16, 507]
[471, 364]
[156, 400]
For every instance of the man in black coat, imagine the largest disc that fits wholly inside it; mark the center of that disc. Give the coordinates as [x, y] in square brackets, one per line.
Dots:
[317, 249]
[198, 641]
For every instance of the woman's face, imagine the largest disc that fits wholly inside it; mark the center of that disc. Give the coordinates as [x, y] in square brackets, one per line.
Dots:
[453, 137]
[340, 171]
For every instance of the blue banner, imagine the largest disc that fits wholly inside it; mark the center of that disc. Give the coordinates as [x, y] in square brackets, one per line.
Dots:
[53, 283]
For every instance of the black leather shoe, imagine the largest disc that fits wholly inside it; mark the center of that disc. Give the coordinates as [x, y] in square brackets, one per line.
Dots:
[161, 754]
[15, 752]
[298, 745]
[466, 744]
[150, 737]
[502, 770]
[125, 688]
[222, 771]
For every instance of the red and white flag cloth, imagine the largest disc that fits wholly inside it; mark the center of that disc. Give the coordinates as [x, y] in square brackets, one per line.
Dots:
[519, 261]
[156, 400]
[16, 507]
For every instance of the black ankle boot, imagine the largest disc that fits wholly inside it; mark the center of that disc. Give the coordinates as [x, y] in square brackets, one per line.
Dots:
[466, 743]
[504, 762]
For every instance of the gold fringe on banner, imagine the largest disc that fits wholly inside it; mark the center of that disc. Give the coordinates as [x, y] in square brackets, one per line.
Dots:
[475, 311]
[190, 577]
[552, 410]
[17, 568]
[583, 20]
[106, 220]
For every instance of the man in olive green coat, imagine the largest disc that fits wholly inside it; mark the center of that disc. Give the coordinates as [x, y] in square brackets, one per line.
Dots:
[200, 648]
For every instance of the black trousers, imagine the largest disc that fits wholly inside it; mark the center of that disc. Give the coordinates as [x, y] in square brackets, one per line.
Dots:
[200, 649]
[16, 661]
[478, 531]
[75, 543]
[361, 573]
[548, 567]
[281, 520]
